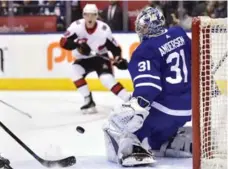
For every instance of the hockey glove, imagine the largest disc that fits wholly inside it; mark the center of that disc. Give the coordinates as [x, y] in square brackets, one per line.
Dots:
[84, 49]
[120, 63]
[129, 117]
[4, 163]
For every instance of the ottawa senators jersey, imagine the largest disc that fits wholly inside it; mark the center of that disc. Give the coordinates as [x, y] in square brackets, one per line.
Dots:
[99, 39]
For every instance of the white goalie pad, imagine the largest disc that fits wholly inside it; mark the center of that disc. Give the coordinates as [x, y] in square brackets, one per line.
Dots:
[120, 148]
[111, 143]
[179, 147]
[136, 161]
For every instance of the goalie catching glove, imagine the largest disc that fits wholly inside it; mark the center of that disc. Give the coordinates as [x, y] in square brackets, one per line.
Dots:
[129, 117]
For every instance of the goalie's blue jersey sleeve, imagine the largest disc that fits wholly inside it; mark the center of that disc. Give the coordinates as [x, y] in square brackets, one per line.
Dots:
[160, 69]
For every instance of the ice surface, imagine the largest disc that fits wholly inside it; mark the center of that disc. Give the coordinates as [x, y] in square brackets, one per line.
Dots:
[51, 133]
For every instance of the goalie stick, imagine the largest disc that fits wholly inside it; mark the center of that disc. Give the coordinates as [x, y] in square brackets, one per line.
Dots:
[66, 162]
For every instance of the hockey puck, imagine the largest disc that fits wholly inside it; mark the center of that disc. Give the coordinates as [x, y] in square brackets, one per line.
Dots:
[80, 129]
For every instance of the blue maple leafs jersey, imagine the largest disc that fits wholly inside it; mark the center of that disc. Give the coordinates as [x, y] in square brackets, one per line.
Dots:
[160, 69]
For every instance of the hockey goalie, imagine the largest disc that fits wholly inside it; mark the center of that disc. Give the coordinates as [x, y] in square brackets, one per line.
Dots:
[152, 123]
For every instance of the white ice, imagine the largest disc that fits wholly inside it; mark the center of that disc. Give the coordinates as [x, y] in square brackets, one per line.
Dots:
[51, 133]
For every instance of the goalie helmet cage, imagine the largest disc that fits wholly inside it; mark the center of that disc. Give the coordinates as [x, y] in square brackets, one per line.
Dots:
[209, 101]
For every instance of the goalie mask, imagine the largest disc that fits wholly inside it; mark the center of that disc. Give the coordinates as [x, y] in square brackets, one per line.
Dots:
[150, 22]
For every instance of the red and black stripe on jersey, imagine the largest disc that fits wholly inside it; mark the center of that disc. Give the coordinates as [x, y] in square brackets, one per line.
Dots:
[117, 88]
[79, 83]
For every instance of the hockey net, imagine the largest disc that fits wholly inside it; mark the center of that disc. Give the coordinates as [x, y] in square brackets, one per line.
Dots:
[209, 93]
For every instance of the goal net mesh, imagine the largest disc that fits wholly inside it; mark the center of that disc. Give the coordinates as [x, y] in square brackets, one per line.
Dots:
[213, 93]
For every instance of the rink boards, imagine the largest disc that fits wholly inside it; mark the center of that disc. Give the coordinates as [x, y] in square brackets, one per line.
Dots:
[36, 62]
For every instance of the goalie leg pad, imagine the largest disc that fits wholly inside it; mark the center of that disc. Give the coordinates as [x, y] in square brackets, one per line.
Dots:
[139, 156]
[180, 146]
[118, 144]
[126, 149]
[111, 143]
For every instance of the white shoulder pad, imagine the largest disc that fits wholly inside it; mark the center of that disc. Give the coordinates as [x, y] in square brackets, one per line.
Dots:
[75, 28]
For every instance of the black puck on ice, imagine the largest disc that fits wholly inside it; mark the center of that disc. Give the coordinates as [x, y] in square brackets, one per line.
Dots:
[80, 129]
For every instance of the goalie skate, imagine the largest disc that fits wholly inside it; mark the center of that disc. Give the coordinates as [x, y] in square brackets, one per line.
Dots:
[137, 158]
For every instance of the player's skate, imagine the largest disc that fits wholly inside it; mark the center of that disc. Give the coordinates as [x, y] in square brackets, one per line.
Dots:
[4, 163]
[140, 156]
[89, 106]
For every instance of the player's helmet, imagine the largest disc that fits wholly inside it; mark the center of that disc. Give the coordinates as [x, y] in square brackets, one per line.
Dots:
[150, 22]
[90, 8]
[90, 14]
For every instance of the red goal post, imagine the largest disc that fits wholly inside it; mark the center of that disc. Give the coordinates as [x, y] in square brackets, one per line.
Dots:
[209, 93]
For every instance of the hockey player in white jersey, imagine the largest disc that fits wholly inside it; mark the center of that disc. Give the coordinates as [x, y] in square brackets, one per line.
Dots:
[151, 123]
[90, 40]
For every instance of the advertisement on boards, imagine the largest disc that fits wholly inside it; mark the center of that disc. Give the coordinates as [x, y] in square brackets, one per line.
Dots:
[27, 24]
[40, 56]
[3, 56]
[1, 60]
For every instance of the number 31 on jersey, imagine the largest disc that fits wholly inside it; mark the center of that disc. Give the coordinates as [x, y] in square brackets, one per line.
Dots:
[175, 67]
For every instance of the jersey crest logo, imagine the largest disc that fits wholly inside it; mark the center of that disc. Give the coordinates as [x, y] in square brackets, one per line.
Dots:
[77, 22]
[104, 27]
[167, 36]
[82, 40]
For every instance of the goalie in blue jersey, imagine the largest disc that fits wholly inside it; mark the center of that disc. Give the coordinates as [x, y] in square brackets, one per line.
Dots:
[151, 123]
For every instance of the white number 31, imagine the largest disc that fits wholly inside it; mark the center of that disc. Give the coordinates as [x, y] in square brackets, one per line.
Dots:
[144, 65]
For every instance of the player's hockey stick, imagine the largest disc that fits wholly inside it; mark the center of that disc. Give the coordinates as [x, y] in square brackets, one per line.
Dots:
[93, 53]
[20, 111]
[113, 61]
[66, 162]
[218, 65]
[215, 68]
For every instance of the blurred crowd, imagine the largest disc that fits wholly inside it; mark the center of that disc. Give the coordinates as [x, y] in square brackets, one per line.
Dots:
[41, 8]
[181, 13]
[176, 12]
